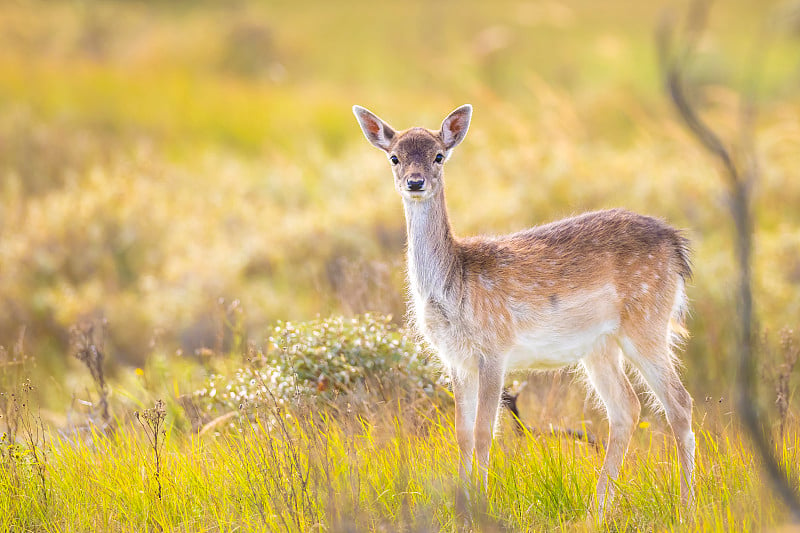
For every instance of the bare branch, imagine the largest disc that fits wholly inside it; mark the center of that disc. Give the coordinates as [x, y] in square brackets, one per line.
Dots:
[739, 183]
[672, 67]
[509, 401]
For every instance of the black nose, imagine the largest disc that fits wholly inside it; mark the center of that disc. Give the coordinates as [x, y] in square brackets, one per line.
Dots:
[415, 184]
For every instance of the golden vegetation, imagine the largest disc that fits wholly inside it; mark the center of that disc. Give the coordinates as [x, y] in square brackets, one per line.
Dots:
[158, 158]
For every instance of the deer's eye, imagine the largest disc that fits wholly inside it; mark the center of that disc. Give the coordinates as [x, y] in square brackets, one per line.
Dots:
[439, 158]
[394, 160]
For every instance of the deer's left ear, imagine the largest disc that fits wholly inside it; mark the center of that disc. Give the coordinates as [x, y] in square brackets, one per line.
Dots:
[455, 126]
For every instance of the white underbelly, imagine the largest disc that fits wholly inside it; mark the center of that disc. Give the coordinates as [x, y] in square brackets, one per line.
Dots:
[573, 327]
[557, 345]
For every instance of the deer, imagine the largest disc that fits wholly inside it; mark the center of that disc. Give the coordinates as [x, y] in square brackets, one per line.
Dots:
[604, 290]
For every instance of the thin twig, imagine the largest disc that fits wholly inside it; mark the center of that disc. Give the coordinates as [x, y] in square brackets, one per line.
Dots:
[509, 401]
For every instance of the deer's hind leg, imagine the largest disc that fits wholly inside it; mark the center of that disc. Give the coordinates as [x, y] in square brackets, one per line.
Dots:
[606, 373]
[654, 361]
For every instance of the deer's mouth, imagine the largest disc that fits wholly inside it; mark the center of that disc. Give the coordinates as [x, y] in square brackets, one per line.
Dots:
[416, 196]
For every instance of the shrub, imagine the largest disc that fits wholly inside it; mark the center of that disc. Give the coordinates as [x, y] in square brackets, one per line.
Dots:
[325, 359]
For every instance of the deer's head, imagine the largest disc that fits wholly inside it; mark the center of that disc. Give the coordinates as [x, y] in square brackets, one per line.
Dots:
[417, 154]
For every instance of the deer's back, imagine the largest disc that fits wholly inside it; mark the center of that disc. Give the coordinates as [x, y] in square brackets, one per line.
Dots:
[594, 248]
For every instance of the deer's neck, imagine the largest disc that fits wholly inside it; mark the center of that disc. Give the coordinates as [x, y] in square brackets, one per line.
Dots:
[432, 261]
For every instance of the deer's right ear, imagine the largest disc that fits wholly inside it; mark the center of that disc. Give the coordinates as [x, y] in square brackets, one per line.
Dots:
[376, 131]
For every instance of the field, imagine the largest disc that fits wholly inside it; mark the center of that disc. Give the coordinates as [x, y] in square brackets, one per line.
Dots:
[184, 192]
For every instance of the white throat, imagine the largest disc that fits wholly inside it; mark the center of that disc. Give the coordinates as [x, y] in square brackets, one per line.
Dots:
[431, 260]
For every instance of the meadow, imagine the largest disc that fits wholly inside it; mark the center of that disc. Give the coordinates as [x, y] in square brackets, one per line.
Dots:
[184, 192]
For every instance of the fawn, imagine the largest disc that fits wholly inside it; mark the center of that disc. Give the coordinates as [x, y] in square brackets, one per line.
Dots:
[595, 289]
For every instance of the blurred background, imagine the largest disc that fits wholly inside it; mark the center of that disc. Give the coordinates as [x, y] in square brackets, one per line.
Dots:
[165, 165]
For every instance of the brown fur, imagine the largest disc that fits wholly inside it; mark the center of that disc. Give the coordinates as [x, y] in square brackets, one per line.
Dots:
[590, 289]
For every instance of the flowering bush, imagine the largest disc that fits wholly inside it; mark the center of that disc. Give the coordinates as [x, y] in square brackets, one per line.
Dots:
[327, 358]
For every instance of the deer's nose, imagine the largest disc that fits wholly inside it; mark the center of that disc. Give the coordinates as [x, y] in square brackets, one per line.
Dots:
[415, 183]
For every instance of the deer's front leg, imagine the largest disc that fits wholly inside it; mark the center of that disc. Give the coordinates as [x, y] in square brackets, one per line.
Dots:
[490, 386]
[465, 392]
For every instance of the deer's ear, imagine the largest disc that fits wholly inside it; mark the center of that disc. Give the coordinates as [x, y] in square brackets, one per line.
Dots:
[376, 131]
[455, 126]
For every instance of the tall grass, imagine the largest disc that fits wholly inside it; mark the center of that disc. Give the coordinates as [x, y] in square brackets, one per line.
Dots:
[312, 472]
[372, 450]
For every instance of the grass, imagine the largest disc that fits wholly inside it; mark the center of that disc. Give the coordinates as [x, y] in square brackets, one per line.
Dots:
[307, 473]
[378, 455]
